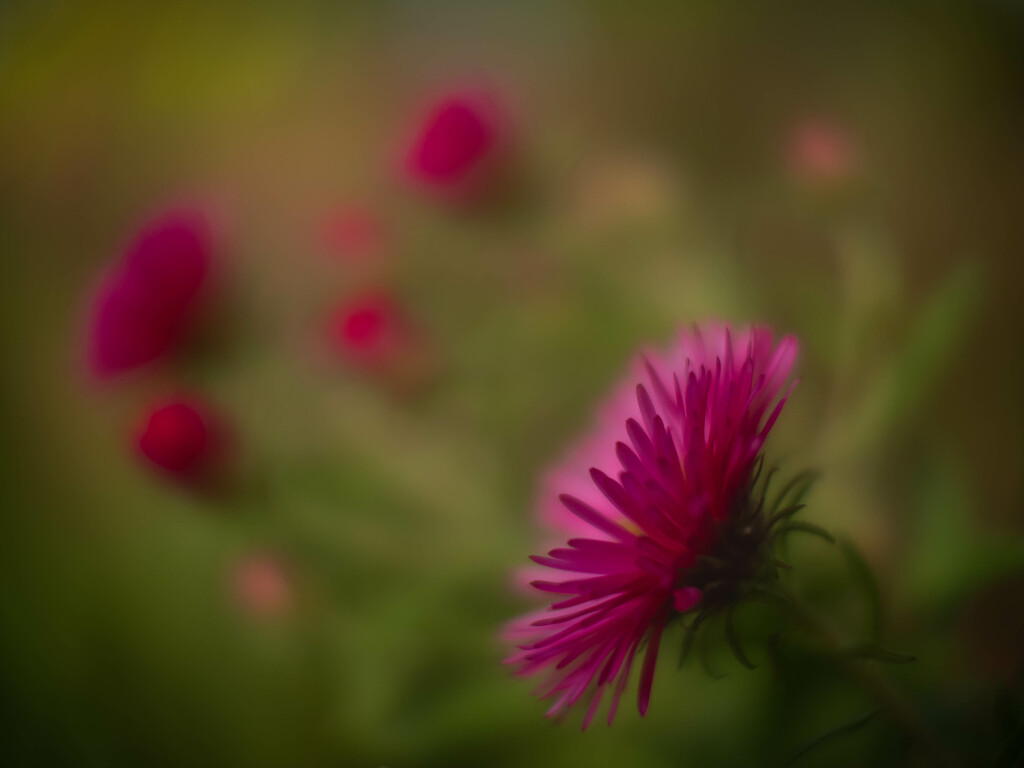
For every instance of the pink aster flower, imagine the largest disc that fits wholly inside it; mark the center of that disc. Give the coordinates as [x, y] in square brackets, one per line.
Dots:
[146, 303]
[183, 439]
[648, 494]
[459, 145]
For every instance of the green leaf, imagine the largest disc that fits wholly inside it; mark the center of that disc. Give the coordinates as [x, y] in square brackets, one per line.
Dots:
[900, 391]
[953, 555]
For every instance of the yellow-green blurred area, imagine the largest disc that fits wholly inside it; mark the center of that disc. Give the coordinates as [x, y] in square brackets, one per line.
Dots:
[653, 188]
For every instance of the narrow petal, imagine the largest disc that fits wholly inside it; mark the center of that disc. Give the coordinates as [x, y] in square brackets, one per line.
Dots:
[643, 698]
[588, 514]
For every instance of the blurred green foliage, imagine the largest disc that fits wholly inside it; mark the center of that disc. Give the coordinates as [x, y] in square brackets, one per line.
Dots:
[653, 191]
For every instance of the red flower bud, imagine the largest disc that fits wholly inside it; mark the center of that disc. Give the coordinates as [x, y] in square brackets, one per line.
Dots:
[370, 331]
[146, 302]
[459, 146]
[182, 439]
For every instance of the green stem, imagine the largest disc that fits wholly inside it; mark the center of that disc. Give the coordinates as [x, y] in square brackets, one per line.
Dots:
[866, 674]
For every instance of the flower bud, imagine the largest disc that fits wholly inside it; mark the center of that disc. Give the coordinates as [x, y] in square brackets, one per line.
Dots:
[371, 332]
[146, 302]
[821, 153]
[459, 147]
[260, 586]
[183, 440]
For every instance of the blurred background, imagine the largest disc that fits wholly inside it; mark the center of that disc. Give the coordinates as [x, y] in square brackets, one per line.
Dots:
[853, 175]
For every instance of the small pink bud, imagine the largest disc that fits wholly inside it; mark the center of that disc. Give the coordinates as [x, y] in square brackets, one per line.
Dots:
[458, 147]
[261, 586]
[182, 439]
[686, 598]
[821, 152]
[354, 233]
[146, 302]
[371, 331]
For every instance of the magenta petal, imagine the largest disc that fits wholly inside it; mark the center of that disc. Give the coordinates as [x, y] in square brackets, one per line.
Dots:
[592, 709]
[589, 515]
[643, 697]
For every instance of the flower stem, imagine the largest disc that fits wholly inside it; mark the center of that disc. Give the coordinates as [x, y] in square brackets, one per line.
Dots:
[868, 677]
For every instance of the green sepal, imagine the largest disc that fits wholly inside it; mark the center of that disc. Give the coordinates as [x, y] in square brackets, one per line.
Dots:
[802, 527]
[784, 514]
[875, 652]
[802, 482]
[734, 641]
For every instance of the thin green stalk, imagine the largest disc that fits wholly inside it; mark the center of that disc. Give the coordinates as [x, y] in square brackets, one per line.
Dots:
[867, 675]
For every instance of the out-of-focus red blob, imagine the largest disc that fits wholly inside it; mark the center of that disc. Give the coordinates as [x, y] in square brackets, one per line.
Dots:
[260, 585]
[459, 146]
[354, 233]
[370, 330]
[183, 439]
[147, 301]
[821, 152]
